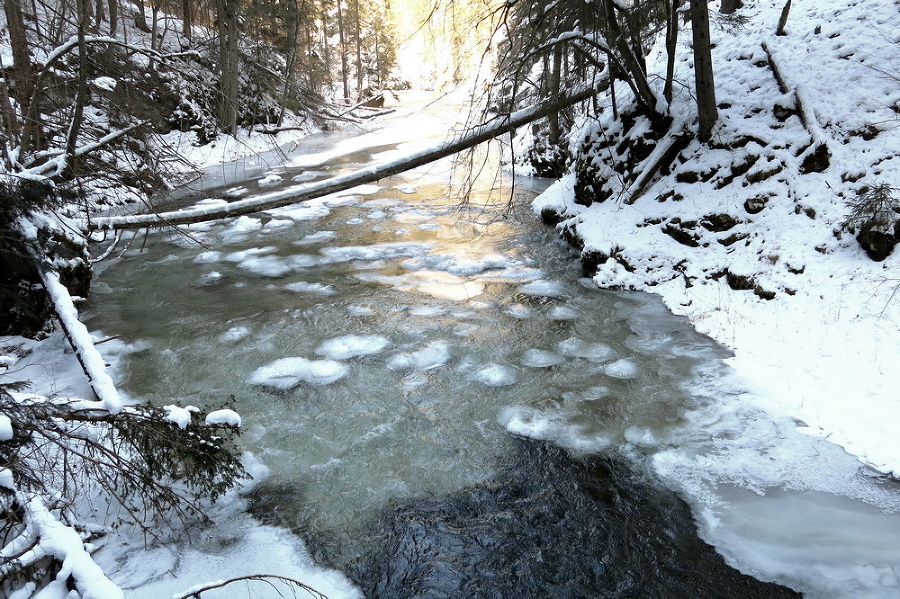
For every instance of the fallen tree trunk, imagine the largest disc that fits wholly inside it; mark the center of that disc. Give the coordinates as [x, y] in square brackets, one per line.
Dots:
[666, 151]
[92, 363]
[299, 193]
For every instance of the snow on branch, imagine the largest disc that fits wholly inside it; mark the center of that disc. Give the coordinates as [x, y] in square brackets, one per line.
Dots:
[500, 125]
[56, 165]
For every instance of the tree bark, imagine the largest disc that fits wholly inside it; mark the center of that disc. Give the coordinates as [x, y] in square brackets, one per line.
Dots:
[187, 18]
[81, 95]
[113, 16]
[344, 67]
[671, 46]
[494, 128]
[293, 29]
[632, 63]
[730, 6]
[703, 70]
[782, 21]
[228, 65]
[359, 65]
[23, 79]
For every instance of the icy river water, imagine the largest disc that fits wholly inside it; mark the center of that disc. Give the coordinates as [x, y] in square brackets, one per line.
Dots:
[446, 408]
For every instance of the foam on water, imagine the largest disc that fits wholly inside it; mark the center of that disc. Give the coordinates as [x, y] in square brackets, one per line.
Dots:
[543, 288]
[622, 369]
[266, 266]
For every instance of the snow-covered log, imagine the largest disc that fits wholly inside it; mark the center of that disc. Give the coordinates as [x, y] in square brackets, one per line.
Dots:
[90, 359]
[45, 536]
[804, 104]
[665, 151]
[496, 127]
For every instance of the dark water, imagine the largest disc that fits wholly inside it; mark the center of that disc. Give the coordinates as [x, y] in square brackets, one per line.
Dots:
[547, 525]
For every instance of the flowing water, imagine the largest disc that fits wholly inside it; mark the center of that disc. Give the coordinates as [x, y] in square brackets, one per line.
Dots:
[388, 348]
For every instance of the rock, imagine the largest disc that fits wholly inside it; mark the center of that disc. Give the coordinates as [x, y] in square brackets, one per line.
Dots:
[755, 205]
[681, 233]
[877, 244]
[718, 223]
[816, 161]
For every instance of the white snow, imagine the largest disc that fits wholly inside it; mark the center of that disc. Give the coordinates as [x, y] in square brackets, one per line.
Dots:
[224, 416]
[270, 180]
[286, 373]
[351, 346]
[177, 415]
[6, 429]
[825, 350]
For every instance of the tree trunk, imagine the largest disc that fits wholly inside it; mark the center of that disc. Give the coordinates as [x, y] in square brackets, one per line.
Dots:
[113, 16]
[81, 95]
[782, 21]
[187, 18]
[360, 75]
[554, 135]
[730, 6]
[293, 29]
[637, 76]
[703, 70]
[228, 65]
[99, 14]
[23, 79]
[671, 46]
[344, 68]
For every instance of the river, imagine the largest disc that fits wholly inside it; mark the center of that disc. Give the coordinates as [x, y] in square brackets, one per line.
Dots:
[444, 407]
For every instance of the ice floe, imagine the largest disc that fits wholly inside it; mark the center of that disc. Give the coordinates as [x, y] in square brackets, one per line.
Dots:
[287, 373]
[350, 346]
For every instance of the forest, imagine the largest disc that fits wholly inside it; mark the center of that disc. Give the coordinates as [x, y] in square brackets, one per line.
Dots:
[625, 104]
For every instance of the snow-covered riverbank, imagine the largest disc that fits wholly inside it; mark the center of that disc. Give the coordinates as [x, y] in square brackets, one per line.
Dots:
[822, 347]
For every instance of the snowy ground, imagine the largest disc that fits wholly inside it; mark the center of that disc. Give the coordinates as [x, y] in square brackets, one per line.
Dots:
[825, 350]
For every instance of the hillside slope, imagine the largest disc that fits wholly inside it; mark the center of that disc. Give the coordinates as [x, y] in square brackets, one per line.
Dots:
[747, 237]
